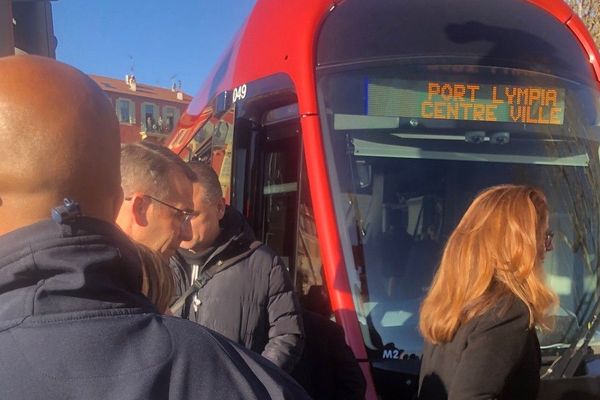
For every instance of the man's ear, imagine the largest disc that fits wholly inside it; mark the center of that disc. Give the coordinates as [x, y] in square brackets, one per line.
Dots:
[221, 208]
[139, 209]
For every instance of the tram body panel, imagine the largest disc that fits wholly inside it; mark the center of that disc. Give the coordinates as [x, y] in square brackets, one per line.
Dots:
[287, 53]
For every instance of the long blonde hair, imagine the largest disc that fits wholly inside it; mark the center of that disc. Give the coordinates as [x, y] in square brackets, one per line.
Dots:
[158, 283]
[496, 249]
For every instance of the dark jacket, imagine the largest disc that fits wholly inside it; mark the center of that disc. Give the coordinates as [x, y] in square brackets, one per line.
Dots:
[252, 300]
[328, 369]
[491, 357]
[73, 325]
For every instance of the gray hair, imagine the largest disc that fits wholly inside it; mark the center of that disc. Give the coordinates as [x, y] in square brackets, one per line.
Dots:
[208, 179]
[145, 168]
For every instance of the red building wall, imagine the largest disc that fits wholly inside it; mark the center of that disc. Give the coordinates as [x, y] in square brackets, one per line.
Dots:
[138, 94]
[131, 132]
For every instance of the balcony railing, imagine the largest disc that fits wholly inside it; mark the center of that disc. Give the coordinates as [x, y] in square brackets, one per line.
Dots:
[158, 127]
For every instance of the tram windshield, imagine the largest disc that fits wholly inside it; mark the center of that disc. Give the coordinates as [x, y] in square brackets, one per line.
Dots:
[410, 146]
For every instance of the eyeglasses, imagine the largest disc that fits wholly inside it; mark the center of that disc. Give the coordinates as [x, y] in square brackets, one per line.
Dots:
[184, 216]
[548, 241]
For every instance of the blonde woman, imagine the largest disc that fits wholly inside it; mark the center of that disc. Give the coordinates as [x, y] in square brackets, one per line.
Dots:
[479, 317]
[158, 283]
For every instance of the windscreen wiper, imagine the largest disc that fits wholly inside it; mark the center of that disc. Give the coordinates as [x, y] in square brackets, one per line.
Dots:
[566, 364]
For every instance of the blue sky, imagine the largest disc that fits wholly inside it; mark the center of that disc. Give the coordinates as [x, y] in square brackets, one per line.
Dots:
[160, 39]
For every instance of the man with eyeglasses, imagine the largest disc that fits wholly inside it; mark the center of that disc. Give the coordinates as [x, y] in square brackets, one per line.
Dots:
[158, 197]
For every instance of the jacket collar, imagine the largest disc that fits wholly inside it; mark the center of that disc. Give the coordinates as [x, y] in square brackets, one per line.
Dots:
[235, 242]
[49, 268]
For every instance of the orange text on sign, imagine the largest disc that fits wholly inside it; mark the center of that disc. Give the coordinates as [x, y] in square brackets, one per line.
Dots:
[463, 101]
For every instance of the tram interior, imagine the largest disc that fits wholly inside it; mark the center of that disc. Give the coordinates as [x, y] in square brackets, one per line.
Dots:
[405, 209]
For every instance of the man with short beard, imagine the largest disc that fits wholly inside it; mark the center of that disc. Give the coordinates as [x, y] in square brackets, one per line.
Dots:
[250, 298]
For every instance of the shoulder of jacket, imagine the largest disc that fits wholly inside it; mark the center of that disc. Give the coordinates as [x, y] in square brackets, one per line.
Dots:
[263, 251]
[513, 314]
[511, 308]
[184, 332]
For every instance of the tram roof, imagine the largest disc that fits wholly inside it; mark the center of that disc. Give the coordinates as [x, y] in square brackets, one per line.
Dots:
[280, 37]
[507, 33]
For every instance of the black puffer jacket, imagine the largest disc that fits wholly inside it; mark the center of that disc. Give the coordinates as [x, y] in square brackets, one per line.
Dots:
[73, 325]
[252, 300]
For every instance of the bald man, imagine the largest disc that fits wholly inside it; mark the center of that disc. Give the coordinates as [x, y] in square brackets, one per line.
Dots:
[73, 324]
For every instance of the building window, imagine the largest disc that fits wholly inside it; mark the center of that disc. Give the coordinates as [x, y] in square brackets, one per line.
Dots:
[169, 119]
[149, 117]
[125, 111]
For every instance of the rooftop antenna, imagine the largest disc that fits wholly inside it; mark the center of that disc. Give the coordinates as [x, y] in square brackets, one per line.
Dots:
[131, 65]
[173, 85]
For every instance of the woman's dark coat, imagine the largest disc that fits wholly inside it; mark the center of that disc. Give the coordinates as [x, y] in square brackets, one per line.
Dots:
[491, 357]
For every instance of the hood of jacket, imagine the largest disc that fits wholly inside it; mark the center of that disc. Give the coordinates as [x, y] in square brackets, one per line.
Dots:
[235, 242]
[49, 268]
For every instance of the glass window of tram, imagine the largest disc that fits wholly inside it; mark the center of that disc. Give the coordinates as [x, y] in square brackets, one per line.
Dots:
[212, 144]
[278, 154]
[414, 144]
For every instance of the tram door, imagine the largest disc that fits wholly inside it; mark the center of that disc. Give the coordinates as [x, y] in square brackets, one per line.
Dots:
[262, 181]
[274, 187]
[258, 157]
[278, 202]
[269, 182]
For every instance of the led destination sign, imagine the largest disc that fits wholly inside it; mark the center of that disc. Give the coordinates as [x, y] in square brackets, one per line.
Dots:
[466, 101]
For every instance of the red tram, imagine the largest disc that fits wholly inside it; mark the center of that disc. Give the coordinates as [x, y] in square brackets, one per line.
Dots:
[353, 134]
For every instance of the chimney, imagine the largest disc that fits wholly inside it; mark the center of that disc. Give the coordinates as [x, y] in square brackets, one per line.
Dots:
[132, 83]
[179, 95]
